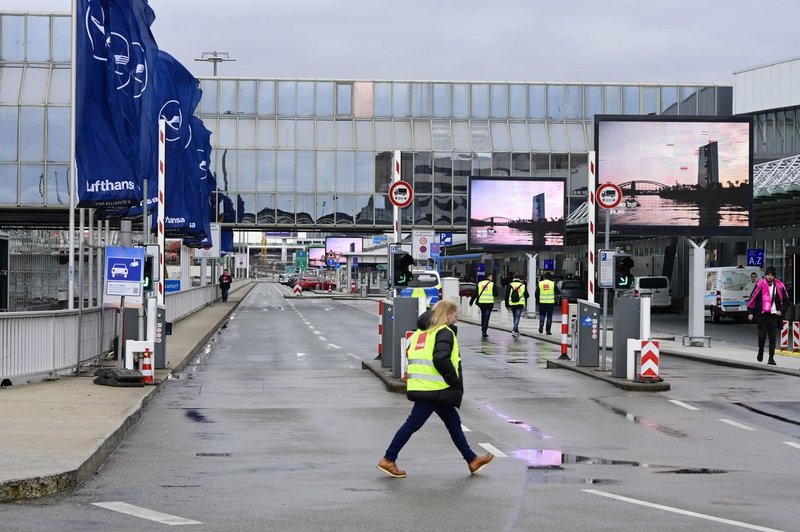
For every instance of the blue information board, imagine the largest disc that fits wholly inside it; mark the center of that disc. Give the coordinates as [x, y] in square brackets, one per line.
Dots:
[755, 257]
[445, 239]
[124, 273]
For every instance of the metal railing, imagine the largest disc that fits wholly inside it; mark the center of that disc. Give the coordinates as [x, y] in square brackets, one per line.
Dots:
[45, 342]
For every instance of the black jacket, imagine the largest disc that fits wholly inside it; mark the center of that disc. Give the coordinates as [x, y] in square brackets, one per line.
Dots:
[442, 348]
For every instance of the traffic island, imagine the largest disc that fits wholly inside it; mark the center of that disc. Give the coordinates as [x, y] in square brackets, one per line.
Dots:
[625, 384]
[393, 384]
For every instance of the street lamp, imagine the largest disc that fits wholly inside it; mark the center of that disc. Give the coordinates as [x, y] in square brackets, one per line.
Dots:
[215, 58]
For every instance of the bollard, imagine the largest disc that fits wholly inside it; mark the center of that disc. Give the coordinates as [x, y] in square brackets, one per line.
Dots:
[784, 345]
[564, 329]
[796, 336]
[380, 329]
[649, 361]
[404, 355]
[297, 290]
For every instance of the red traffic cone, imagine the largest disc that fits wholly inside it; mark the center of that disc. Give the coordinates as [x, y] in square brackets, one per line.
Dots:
[147, 367]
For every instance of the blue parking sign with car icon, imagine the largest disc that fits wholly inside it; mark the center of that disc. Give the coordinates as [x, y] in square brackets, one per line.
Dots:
[124, 272]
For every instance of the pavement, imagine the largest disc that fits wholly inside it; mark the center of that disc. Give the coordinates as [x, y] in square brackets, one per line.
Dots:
[57, 434]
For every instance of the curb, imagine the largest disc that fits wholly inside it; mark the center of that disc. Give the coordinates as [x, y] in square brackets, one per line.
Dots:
[392, 384]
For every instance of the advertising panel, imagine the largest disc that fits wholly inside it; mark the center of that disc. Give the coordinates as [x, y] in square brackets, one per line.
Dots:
[342, 244]
[316, 258]
[516, 213]
[679, 176]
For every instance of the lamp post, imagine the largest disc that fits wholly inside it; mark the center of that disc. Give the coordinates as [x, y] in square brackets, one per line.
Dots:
[215, 58]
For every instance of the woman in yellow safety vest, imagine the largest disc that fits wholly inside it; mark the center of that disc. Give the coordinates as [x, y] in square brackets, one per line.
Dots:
[435, 385]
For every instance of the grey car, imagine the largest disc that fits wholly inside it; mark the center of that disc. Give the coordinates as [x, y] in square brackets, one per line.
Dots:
[571, 290]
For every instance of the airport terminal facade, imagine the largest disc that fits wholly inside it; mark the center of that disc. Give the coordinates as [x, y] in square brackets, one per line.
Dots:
[315, 154]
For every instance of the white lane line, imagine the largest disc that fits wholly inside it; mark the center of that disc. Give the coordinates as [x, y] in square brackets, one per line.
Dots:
[792, 444]
[736, 424]
[465, 429]
[682, 404]
[494, 450]
[680, 511]
[323, 338]
[144, 513]
[334, 346]
[353, 355]
[316, 332]
[301, 354]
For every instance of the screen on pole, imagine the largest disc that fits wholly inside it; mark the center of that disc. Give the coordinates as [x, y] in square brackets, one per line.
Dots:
[680, 176]
[516, 213]
[342, 244]
[316, 257]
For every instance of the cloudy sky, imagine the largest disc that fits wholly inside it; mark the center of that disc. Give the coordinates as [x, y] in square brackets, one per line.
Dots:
[679, 41]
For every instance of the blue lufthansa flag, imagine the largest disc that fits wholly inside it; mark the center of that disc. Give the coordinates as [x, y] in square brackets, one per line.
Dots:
[115, 53]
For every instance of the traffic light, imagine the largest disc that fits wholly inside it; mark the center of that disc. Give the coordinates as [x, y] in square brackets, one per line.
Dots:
[623, 278]
[401, 268]
[147, 277]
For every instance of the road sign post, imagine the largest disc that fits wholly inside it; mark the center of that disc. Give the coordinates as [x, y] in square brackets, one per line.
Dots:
[608, 196]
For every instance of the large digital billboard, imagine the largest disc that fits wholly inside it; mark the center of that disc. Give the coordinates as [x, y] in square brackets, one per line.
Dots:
[337, 245]
[516, 213]
[679, 176]
[316, 257]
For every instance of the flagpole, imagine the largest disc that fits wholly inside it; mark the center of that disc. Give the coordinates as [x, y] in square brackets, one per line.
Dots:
[72, 116]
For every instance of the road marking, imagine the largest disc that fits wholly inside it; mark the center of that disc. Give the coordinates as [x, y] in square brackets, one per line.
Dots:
[323, 338]
[144, 513]
[353, 355]
[316, 331]
[680, 511]
[334, 346]
[792, 444]
[465, 429]
[736, 424]
[684, 405]
[301, 354]
[494, 450]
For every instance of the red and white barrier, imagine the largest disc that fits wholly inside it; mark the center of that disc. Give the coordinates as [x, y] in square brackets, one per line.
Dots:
[404, 355]
[785, 334]
[380, 329]
[649, 359]
[796, 336]
[297, 290]
[147, 367]
[564, 329]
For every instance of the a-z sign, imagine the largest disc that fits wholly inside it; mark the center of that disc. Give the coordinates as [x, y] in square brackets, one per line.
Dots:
[755, 257]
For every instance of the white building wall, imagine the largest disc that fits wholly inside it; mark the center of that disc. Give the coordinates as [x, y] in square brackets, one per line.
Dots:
[767, 87]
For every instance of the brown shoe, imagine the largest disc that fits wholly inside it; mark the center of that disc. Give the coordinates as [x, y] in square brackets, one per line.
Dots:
[391, 469]
[480, 462]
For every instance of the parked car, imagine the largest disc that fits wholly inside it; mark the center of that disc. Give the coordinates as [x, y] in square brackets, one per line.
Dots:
[467, 289]
[657, 287]
[314, 282]
[572, 290]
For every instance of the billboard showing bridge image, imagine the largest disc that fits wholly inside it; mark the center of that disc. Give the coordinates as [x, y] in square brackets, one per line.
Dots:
[679, 176]
[516, 213]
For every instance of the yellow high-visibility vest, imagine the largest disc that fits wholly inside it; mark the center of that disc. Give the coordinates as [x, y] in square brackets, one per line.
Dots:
[547, 291]
[485, 289]
[422, 374]
[519, 286]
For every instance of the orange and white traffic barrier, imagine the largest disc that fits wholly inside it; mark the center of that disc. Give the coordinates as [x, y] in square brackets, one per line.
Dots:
[147, 367]
[649, 360]
[297, 290]
[564, 329]
[404, 355]
[785, 334]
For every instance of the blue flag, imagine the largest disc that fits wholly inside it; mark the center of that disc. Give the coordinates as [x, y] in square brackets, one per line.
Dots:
[115, 54]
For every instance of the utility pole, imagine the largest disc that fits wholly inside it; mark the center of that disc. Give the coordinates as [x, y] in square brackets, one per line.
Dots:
[215, 58]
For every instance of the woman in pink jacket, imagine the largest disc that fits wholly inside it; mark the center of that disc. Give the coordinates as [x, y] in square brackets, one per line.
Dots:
[767, 304]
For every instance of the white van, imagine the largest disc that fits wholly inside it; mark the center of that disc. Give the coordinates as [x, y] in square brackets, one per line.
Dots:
[727, 290]
[657, 287]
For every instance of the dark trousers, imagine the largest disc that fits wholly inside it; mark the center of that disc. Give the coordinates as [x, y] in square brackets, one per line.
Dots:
[420, 413]
[767, 326]
[486, 313]
[224, 290]
[546, 314]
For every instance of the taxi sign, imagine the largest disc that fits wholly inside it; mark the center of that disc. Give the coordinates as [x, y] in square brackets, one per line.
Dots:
[401, 194]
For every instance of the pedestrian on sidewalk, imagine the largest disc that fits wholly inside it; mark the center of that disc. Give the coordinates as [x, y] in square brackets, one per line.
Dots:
[546, 294]
[434, 384]
[485, 293]
[767, 304]
[516, 296]
[225, 284]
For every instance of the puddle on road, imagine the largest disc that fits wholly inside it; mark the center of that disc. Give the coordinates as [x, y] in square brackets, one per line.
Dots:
[197, 416]
[537, 432]
[645, 422]
[213, 455]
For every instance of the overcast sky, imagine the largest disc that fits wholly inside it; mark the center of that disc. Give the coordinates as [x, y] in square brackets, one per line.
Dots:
[678, 41]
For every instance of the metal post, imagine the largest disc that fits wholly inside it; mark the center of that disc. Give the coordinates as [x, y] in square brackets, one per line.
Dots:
[604, 339]
[697, 263]
[533, 266]
[90, 260]
[80, 295]
[590, 278]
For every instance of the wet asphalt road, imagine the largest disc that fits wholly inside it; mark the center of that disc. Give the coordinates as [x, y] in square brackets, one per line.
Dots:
[279, 428]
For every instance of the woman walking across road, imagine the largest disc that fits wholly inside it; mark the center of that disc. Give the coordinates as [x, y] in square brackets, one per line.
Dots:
[435, 384]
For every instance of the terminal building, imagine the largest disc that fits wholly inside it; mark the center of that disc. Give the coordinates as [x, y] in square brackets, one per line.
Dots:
[313, 156]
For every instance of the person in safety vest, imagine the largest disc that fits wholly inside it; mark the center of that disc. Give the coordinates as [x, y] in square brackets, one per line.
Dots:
[485, 293]
[516, 297]
[546, 294]
[435, 384]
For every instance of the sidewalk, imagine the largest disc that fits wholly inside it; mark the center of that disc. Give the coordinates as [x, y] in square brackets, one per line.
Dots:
[57, 434]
